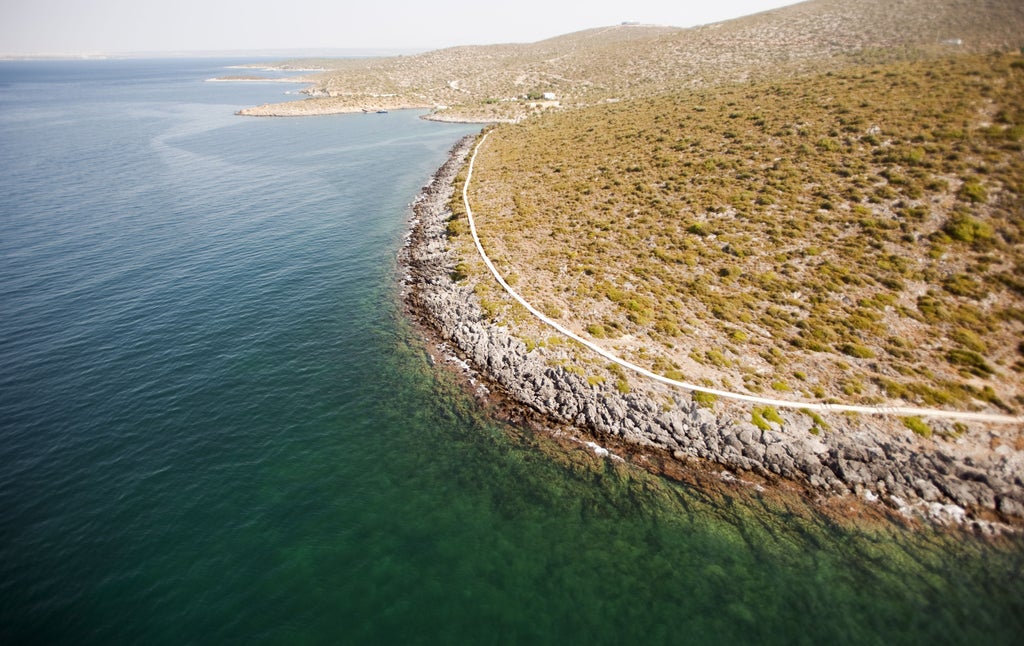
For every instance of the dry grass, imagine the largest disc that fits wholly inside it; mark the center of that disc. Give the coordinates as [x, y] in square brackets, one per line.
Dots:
[852, 235]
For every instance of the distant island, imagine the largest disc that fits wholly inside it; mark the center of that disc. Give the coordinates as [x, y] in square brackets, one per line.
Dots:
[818, 204]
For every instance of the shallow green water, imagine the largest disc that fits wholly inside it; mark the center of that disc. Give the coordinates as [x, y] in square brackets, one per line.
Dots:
[216, 426]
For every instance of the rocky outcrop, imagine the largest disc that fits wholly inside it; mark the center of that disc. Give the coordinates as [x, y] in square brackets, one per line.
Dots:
[862, 456]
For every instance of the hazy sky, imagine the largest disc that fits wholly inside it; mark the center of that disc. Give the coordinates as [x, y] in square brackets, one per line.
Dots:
[97, 26]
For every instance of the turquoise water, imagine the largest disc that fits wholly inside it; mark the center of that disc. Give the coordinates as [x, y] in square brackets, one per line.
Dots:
[216, 426]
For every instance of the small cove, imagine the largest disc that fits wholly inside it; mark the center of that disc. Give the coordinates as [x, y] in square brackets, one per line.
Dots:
[217, 425]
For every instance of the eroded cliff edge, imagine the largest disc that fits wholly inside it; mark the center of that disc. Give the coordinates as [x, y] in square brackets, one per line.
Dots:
[861, 456]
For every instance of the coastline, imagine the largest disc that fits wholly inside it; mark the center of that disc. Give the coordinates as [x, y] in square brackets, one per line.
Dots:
[323, 106]
[860, 461]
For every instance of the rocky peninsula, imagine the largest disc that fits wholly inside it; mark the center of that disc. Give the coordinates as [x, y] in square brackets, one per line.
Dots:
[860, 456]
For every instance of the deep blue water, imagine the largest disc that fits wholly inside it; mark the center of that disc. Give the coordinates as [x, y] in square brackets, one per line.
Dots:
[216, 426]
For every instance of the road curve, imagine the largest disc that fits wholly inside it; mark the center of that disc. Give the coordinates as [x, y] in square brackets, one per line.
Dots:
[996, 418]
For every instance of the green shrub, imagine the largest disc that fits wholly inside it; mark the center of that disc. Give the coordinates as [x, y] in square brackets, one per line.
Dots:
[457, 227]
[759, 421]
[460, 273]
[966, 228]
[827, 144]
[761, 416]
[717, 358]
[852, 386]
[551, 310]
[931, 308]
[973, 191]
[856, 350]
[964, 285]
[819, 423]
[968, 339]
[915, 157]
[970, 362]
[917, 425]
[491, 308]
[707, 400]
[772, 415]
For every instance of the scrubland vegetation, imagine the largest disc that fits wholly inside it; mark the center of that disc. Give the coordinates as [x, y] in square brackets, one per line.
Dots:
[853, 235]
[503, 82]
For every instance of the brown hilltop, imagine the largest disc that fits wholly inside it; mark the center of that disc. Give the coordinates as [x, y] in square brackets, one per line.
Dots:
[491, 82]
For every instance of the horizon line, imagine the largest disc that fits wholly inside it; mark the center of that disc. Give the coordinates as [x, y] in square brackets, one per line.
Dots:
[276, 52]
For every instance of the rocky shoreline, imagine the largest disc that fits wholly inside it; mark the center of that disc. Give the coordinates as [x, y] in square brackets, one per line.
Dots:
[968, 484]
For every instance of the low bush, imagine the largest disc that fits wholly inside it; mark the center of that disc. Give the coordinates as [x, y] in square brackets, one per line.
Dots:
[917, 425]
[707, 400]
[972, 191]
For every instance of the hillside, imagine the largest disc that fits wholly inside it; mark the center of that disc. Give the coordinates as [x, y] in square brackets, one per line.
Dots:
[854, 236]
[506, 82]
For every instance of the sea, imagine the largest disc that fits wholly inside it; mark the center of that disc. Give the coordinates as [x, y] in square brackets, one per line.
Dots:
[217, 425]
